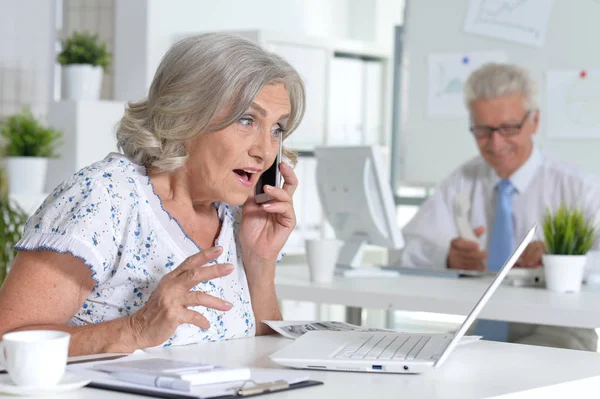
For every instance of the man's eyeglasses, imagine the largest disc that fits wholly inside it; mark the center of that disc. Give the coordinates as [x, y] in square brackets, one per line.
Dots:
[485, 132]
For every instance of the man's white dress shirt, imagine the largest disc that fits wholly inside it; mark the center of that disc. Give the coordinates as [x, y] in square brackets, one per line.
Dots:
[541, 183]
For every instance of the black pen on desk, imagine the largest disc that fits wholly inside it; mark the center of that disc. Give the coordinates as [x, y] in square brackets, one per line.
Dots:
[153, 380]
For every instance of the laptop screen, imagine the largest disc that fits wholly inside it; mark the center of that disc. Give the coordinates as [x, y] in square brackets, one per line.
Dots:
[486, 296]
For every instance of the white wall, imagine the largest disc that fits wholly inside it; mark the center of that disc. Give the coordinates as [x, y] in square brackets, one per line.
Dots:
[388, 14]
[145, 29]
[131, 71]
[26, 55]
[168, 20]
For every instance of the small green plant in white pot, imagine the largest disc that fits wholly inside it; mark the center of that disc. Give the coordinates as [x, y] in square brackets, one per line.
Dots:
[83, 58]
[568, 237]
[27, 144]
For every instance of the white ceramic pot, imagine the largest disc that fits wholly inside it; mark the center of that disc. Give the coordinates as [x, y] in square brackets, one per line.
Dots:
[564, 273]
[81, 82]
[26, 175]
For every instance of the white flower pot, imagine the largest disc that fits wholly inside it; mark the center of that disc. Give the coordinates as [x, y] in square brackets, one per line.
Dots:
[81, 82]
[564, 273]
[26, 175]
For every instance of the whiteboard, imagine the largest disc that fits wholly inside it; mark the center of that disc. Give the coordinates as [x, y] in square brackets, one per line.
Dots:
[431, 148]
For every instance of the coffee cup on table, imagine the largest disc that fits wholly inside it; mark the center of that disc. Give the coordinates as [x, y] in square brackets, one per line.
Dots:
[35, 359]
[322, 256]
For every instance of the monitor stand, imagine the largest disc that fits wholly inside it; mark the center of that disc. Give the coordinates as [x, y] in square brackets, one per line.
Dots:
[350, 258]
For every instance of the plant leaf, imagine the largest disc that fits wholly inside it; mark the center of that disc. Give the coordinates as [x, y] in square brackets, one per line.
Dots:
[84, 48]
[24, 136]
[567, 232]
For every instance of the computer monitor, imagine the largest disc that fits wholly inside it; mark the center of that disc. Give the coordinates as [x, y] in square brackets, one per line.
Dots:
[357, 201]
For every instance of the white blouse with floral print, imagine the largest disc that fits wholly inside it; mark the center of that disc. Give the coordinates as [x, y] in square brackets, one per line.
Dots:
[109, 215]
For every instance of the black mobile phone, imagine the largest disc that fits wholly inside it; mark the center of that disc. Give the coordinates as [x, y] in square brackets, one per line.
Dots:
[271, 176]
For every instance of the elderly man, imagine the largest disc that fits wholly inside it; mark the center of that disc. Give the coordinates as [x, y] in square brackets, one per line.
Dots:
[509, 185]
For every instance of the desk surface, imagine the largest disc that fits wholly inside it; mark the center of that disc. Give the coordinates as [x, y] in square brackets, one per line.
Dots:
[444, 295]
[476, 370]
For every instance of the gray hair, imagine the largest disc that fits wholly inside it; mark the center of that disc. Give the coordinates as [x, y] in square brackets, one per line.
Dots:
[199, 79]
[494, 80]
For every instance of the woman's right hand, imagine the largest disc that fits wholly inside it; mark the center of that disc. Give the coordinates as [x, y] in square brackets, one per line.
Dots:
[167, 307]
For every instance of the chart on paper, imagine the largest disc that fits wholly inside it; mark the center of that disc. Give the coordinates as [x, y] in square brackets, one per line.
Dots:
[573, 104]
[447, 75]
[521, 21]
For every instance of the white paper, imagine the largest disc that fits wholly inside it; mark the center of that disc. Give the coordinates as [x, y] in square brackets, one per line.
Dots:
[521, 21]
[259, 376]
[469, 339]
[294, 329]
[447, 75]
[573, 104]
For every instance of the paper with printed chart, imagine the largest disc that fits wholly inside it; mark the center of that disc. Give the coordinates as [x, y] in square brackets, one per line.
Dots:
[573, 104]
[295, 329]
[447, 75]
[520, 21]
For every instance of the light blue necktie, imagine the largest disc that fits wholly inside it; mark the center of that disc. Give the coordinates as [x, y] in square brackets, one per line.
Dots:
[501, 247]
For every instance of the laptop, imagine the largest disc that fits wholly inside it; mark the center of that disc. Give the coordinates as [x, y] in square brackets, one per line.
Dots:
[384, 352]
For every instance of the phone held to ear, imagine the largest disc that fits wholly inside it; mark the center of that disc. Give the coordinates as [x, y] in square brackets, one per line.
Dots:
[462, 206]
[271, 176]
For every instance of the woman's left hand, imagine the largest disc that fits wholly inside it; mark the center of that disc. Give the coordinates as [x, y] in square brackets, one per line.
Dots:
[266, 227]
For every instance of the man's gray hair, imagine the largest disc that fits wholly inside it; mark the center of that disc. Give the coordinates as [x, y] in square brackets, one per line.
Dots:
[200, 79]
[494, 80]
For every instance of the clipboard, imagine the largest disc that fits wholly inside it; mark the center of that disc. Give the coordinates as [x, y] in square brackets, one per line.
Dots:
[247, 389]
[262, 381]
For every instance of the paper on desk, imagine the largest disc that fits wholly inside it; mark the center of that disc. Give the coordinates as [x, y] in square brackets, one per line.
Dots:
[294, 329]
[259, 376]
[467, 339]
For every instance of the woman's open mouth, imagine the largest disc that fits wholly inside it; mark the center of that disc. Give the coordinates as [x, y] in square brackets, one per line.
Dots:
[246, 177]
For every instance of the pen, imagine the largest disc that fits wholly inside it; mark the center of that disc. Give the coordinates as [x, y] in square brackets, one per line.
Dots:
[153, 380]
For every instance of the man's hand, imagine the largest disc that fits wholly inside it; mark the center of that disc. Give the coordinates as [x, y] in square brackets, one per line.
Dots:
[465, 254]
[532, 256]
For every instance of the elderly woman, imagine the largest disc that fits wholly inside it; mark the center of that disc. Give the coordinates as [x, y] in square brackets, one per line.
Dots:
[153, 246]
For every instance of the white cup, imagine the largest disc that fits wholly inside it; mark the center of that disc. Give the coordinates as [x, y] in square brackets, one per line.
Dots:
[322, 256]
[35, 359]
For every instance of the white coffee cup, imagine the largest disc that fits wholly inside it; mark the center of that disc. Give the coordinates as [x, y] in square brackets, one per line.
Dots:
[322, 255]
[35, 359]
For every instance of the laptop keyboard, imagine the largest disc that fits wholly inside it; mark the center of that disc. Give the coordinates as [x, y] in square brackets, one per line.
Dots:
[384, 347]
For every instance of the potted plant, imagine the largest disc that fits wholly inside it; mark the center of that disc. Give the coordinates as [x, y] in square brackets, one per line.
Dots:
[84, 59]
[12, 221]
[568, 237]
[27, 145]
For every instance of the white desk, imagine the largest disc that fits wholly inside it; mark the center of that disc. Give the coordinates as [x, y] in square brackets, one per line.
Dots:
[444, 295]
[480, 369]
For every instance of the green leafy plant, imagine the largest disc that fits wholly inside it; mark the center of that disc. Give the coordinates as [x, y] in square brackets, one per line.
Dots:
[12, 221]
[25, 136]
[567, 232]
[84, 48]
[3, 183]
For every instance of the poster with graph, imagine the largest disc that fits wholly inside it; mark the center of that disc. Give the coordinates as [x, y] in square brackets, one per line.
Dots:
[573, 104]
[521, 21]
[447, 75]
